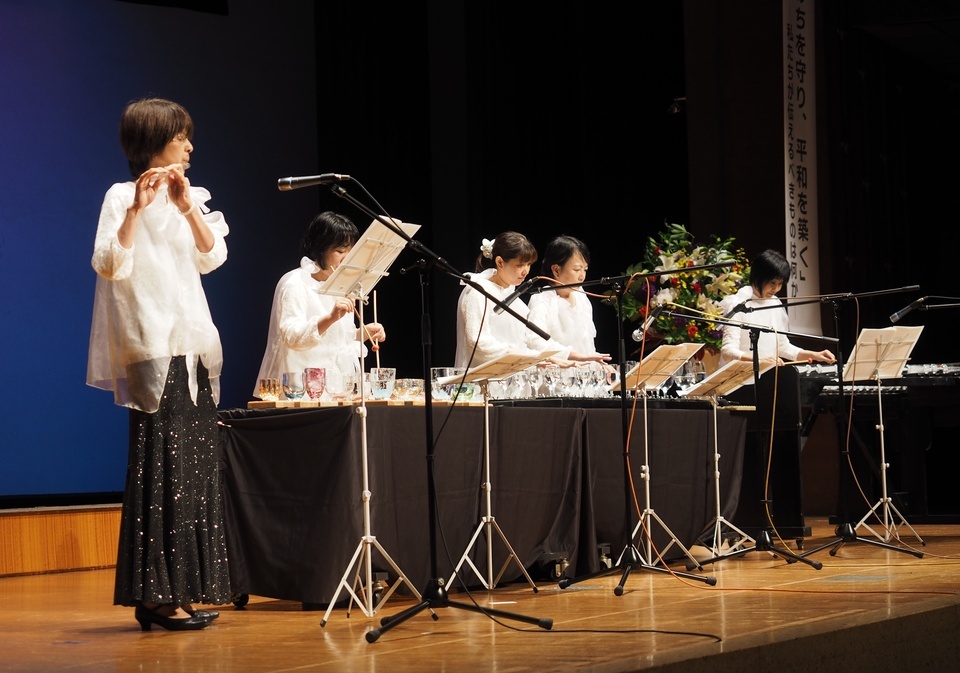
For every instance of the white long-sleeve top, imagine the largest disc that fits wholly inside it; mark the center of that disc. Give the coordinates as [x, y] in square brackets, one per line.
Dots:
[570, 324]
[293, 342]
[149, 304]
[736, 340]
[500, 333]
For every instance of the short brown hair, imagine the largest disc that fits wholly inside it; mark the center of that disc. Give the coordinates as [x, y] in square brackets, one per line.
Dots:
[146, 126]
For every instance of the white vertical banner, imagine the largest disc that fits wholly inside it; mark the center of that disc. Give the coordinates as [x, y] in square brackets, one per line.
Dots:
[800, 162]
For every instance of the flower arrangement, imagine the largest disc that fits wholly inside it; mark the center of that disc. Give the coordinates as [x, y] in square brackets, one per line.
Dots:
[700, 290]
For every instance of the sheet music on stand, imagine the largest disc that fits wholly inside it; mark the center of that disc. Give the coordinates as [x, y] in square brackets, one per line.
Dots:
[499, 368]
[657, 367]
[368, 260]
[881, 354]
[725, 380]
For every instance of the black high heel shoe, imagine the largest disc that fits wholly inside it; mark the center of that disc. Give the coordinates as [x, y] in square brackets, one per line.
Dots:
[209, 615]
[148, 618]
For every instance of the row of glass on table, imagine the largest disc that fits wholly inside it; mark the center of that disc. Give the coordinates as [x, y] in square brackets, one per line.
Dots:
[589, 380]
[379, 384]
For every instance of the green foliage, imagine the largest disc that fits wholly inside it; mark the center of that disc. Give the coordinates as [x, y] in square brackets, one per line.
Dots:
[700, 290]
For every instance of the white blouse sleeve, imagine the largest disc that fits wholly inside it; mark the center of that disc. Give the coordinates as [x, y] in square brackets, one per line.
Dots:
[110, 259]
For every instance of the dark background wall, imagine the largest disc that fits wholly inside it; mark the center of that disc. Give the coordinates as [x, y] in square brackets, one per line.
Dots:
[466, 118]
[66, 71]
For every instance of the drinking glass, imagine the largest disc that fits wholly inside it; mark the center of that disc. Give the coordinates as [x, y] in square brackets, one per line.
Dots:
[293, 388]
[517, 386]
[314, 380]
[569, 382]
[382, 382]
[551, 378]
[689, 375]
[600, 381]
[585, 378]
[269, 389]
[535, 379]
[338, 386]
[342, 383]
[628, 366]
[497, 389]
[699, 370]
[463, 392]
[408, 390]
[611, 375]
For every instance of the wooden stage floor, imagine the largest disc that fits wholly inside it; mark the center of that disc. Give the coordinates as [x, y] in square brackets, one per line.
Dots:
[868, 608]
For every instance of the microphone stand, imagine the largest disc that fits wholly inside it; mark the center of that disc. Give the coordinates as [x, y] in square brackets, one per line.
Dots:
[764, 539]
[434, 594]
[845, 532]
[922, 305]
[630, 557]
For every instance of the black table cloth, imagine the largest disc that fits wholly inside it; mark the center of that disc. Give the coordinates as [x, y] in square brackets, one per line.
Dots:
[293, 488]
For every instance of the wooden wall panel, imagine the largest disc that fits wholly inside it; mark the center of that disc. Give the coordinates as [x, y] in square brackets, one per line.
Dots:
[36, 541]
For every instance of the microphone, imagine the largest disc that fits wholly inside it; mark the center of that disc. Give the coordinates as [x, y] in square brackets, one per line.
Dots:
[521, 289]
[906, 309]
[653, 315]
[286, 184]
[739, 308]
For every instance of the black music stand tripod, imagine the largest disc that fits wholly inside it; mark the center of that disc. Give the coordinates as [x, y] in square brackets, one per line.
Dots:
[846, 532]
[880, 354]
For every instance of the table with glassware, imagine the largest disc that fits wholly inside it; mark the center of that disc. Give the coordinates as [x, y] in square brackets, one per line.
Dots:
[293, 480]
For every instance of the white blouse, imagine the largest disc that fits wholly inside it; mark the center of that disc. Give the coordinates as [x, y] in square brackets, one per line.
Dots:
[569, 324]
[149, 304]
[494, 334]
[293, 342]
[736, 340]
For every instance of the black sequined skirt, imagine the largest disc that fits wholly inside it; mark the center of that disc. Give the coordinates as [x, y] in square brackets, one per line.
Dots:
[172, 547]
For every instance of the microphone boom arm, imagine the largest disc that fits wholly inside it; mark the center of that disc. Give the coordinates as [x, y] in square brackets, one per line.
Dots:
[439, 262]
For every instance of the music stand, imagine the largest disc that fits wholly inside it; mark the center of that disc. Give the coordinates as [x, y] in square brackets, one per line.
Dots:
[649, 373]
[764, 539]
[652, 372]
[722, 382]
[497, 369]
[880, 355]
[434, 594]
[361, 269]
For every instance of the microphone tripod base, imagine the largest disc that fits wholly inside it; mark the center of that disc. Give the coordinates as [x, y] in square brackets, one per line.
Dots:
[434, 596]
[629, 560]
[846, 533]
[764, 542]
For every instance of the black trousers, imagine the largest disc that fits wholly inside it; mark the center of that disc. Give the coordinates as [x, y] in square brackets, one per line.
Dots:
[772, 490]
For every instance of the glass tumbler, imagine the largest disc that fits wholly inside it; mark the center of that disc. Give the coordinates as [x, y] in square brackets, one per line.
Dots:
[269, 389]
[382, 381]
[314, 381]
[293, 388]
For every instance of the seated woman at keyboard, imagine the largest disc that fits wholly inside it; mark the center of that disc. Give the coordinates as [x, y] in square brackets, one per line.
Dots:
[757, 304]
[771, 485]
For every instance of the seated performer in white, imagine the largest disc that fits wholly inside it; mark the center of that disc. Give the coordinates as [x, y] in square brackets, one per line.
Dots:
[567, 314]
[768, 273]
[309, 328]
[482, 333]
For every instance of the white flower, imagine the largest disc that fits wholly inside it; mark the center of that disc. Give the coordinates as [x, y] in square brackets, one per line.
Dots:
[486, 248]
[666, 295]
